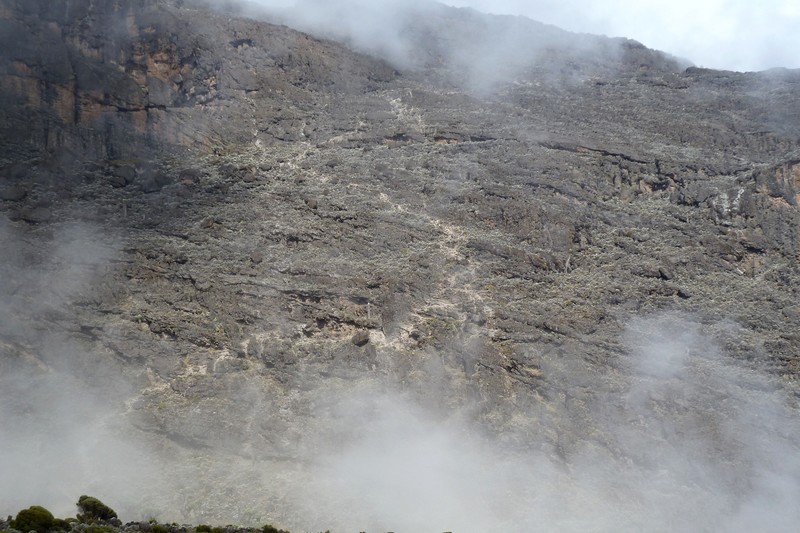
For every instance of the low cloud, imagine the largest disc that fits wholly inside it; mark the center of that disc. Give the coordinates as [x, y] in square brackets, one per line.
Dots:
[60, 403]
[688, 440]
[460, 47]
[722, 34]
[675, 436]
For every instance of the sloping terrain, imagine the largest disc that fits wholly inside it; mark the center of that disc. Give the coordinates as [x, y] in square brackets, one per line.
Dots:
[250, 275]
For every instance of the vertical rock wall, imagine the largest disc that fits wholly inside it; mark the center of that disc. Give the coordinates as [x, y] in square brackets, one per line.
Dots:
[95, 78]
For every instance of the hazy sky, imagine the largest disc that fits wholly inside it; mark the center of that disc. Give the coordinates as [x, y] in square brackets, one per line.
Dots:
[723, 34]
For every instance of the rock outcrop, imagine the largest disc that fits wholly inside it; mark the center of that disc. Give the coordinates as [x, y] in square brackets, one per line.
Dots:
[233, 222]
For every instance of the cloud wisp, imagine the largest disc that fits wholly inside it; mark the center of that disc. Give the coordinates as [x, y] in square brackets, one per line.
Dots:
[60, 402]
[721, 34]
[678, 436]
[691, 441]
[457, 47]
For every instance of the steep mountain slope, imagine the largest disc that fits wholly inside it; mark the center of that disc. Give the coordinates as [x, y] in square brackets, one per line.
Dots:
[255, 274]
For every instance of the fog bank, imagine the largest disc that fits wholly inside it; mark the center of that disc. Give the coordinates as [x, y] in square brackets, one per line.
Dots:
[676, 436]
[692, 441]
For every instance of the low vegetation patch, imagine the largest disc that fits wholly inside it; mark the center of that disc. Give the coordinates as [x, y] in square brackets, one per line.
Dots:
[96, 517]
[93, 510]
[34, 518]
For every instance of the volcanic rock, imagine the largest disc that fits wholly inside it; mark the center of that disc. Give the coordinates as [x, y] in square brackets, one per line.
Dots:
[255, 221]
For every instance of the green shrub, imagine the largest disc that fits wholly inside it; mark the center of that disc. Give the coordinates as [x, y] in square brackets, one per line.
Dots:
[93, 510]
[203, 528]
[272, 529]
[158, 528]
[34, 518]
[98, 529]
[59, 524]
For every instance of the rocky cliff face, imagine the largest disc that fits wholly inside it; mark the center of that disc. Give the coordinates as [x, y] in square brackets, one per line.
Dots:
[225, 230]
[97, 77]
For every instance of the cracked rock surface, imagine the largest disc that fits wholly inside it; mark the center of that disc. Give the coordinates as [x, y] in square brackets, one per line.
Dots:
[229, 223]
